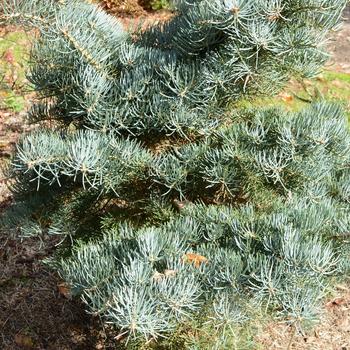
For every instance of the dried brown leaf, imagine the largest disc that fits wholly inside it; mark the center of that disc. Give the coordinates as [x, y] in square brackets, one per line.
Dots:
[64, 289]
[194, 259]
[24, 341]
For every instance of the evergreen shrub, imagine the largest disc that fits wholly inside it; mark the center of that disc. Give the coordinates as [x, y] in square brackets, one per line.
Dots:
[173, 205]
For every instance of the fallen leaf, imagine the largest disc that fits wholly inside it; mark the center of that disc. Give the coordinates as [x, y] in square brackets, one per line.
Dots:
[196, 259]
[286, 97]
[157, 276]
[63, 289]
[24, 341]
[336, 302]
[170, 273]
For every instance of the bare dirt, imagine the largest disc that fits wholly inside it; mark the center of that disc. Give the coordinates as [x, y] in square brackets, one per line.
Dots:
[35, 313]
[332, 332]
[126, 8]
[339, 46]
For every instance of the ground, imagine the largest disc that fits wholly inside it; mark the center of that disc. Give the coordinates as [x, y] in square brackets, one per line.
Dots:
[35, 310]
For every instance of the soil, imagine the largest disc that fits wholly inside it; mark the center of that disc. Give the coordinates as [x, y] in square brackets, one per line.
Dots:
[339, 46]
[124, 7]
[127, 8]
[33, 314]
[36, 313]
[332, 332]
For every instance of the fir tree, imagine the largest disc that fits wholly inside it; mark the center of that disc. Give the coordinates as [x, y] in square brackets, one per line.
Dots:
[172, 204]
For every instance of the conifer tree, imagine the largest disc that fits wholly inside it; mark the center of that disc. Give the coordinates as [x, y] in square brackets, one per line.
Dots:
[172, 204]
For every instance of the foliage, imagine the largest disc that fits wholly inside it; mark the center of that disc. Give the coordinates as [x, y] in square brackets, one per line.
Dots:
[173, 209]
[160, 4]
[330, 85]
[104, 78]
[12, 81]
[280, 247]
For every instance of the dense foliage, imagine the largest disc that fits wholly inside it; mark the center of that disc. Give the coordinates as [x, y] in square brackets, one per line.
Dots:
[175, 77]
[278, 250]
[174, 207]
